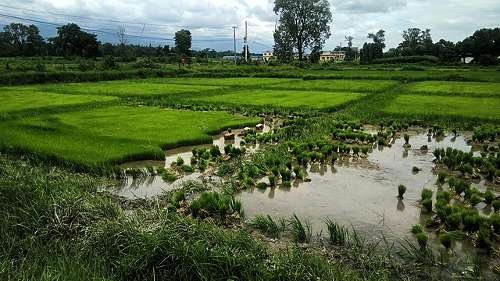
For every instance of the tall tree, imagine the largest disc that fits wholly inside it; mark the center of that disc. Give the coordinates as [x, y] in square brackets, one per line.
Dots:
[72, 41]
[378, 37]
[416, 42]
[307, 22]
[19, 39]
[183, 42]
[283, 45]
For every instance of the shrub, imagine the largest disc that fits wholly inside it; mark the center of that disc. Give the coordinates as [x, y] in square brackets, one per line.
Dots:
[427, 204]
[426, 194]
[422, 239]
[109, 62]
[337, 233]
[416, 229]
[401, 191]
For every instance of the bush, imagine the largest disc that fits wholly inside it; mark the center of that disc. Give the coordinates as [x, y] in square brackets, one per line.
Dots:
[109, 62]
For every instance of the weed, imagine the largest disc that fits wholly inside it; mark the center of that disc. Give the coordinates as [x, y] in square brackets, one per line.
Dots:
[417, 228]
[266, 225]
[422, 239]
[301, 233]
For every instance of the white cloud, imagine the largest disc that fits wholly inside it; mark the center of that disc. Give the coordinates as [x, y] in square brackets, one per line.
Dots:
[450, 19]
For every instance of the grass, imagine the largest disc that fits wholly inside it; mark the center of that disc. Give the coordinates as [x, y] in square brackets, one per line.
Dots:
[456, 88]
[115, 134]
[462, 107]
[147, 87]
[24, 99]
[287, 99]
[336, 85]
[233, 82]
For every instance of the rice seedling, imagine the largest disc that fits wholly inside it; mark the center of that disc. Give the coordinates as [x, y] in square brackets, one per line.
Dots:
[427, 204]
[422, 240]
[266, 225]
[475, 199]
[426, 194]
[168, 175]
[176, 197]
[401, 191]
[416, 229]
[442, 177]
[336, 232]
[301, 232]
[446, 239]
[214, 203]
[496, 205]
[489, 196]
[484, 236]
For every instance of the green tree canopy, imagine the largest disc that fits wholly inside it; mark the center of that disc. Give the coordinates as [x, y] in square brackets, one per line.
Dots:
[72, 41]
[183, 42]
[303, 24]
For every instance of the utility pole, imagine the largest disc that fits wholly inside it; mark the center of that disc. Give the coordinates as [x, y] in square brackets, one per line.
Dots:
[246, 42]
[234, 42]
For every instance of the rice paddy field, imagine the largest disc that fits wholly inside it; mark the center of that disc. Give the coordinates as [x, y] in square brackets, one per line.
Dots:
[320, 174]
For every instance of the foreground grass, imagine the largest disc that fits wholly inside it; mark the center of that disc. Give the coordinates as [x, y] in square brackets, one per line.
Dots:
[456, 88]
[114, 134]
[24, 99]
[467, 107]
[54, 225]
[281, 98]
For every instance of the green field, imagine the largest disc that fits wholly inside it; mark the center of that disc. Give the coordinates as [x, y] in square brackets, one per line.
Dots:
[21, 99]
[456, 88]
[114, 134]
[337, 85]
[468, 107]
[287, 99]
[233, 82]
[125, 88]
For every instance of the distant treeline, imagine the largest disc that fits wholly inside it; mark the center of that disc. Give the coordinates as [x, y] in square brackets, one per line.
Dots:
[417, 46]
[18, 39]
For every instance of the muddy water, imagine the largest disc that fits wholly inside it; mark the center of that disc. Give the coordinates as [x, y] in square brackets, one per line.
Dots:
[148, 187]
[361, 192]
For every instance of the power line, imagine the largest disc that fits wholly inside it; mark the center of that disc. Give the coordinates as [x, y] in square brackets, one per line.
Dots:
[111, 20]
[114, 33]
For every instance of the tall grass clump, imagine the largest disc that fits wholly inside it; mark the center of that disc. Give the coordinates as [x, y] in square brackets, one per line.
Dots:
[266, 225]
[213, 203]
[336, 232]
[301, 232]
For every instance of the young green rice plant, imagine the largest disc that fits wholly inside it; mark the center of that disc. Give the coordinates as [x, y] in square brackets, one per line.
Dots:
[168, 175]
[475, 199]
[446, 239]
[489, 196]
[422, 239]
[426, 194]
[471, 221]
[444, 196]
[266, 225]
[416, 229]
[496, 205]
[177, 197]
[484, 236]
[286, 175]
[453, 221]
[336, 232]
[495, 223]
[261, 185]
[407, 139]
[301, 233]
[179, 162]
[187, 168]
[427, 204]
[442, 177]
[401, 191]
[272, 180]
[214, 203]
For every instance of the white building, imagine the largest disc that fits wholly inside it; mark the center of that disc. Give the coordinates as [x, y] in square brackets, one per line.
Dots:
[335, 56]
[267, 56]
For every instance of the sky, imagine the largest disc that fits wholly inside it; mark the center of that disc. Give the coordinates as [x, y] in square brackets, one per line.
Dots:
[211, 21]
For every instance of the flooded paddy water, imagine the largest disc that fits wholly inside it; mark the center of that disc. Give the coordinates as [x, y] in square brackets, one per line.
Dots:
[154, 185]
[362, 192]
